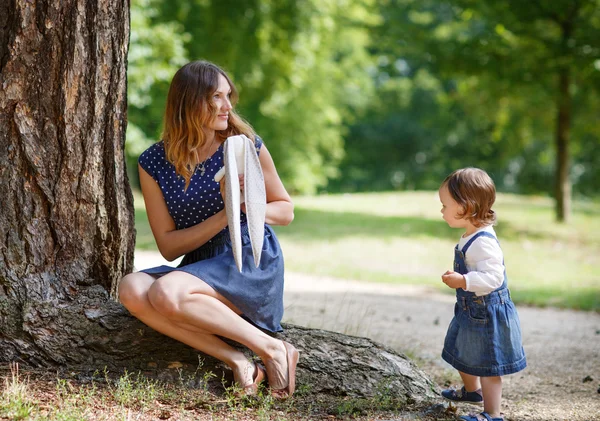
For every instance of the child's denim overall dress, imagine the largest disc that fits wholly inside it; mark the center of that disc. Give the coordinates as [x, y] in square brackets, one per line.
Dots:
[484, 337]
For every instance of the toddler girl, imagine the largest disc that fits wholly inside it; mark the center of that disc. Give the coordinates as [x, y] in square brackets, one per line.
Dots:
[484, 338]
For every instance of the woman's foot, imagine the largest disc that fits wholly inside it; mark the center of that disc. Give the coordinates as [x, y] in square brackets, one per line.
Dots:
[248, 377]
[281, 371]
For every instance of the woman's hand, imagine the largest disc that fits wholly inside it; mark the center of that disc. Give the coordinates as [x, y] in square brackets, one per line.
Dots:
[223, 194]
[243, 205]
[222, 189]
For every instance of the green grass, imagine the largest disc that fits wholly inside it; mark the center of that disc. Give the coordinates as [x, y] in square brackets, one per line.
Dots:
[401, 238]
[14, 404]
[40, 395]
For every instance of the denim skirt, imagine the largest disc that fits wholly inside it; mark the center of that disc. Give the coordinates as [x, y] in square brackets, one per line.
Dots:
[256, 291]
[484, 337]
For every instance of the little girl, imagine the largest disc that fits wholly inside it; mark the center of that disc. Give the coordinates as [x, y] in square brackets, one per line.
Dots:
[484, 338]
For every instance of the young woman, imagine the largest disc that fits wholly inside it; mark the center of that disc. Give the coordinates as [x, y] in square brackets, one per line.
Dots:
[206, 297]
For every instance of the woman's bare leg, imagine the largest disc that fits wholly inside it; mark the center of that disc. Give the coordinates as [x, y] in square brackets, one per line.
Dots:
[185, 308]
[183, 298]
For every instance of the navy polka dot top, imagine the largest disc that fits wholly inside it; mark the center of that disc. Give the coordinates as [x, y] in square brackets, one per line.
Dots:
[201, 200]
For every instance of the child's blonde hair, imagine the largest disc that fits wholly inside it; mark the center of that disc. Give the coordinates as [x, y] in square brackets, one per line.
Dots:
[474, 190]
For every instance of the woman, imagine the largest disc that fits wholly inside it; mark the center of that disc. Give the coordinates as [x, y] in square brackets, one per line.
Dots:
[206, 297]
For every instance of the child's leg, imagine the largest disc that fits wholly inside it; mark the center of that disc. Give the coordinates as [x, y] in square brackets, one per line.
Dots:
[471, 382]
[470, 392]
[491, 388]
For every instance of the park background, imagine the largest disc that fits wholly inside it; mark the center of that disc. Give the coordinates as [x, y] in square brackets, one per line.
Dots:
[367, 105]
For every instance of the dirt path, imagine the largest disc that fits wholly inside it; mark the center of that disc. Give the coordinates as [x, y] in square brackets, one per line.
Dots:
[562, 346]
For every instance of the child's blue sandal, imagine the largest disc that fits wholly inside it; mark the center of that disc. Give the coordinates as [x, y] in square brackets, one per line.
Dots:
[463, 396]
[484, 416]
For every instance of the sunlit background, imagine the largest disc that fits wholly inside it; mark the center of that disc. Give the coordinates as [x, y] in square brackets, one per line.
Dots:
[367, 105]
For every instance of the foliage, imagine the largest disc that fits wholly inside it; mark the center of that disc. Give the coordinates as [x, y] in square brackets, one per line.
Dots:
[14, 404]
[362, 95]
[77, 396]
[495, 64]
[298, 83]
[156, 51]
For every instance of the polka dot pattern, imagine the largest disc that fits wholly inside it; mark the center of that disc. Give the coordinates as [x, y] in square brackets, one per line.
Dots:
[201, 200]
[256, 291]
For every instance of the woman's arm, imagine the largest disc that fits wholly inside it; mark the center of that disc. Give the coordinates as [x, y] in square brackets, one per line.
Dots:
[172, 242]
[280, 209]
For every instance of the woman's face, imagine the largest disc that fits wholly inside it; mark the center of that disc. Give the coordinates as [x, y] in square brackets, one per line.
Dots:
[222, 104]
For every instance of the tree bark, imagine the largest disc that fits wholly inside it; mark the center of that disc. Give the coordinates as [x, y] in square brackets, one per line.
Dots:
[563, 121]
[66, 221]
[102, 334]
[345, 365]
[94, 332]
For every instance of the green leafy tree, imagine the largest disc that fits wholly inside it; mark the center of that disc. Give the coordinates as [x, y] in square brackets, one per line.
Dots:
[156, 52]
[301, 68]
[534, 61]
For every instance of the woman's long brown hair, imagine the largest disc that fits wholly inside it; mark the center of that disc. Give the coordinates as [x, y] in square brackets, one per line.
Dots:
[190, 108]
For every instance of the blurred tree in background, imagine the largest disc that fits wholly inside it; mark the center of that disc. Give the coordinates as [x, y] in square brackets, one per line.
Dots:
[362, 95]
[300, 67]
[156, 51]
[537, 60]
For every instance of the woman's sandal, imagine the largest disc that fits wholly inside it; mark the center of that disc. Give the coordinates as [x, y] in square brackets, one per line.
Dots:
[484, 416]
[292, 357]
[252, 388]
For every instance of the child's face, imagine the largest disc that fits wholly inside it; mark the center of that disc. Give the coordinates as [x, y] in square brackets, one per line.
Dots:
[451, 209]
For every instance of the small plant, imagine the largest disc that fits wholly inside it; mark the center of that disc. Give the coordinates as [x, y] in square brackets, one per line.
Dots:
[232, 395]
[353, 407]
[191, 380]
[73, 402]
[14, 404]
[303, 389]
[382, 400]
[138, 392]
[265, 403]
[383, 395]
[208, 374]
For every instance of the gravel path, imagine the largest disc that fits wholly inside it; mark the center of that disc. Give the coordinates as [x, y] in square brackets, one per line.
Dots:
[561, 382]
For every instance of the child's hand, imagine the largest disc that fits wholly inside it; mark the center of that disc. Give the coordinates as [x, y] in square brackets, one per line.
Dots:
[454, 280]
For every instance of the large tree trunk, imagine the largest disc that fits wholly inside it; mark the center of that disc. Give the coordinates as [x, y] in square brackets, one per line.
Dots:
[66, 219]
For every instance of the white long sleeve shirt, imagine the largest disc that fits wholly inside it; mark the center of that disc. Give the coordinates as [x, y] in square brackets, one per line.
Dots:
[484, 261]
